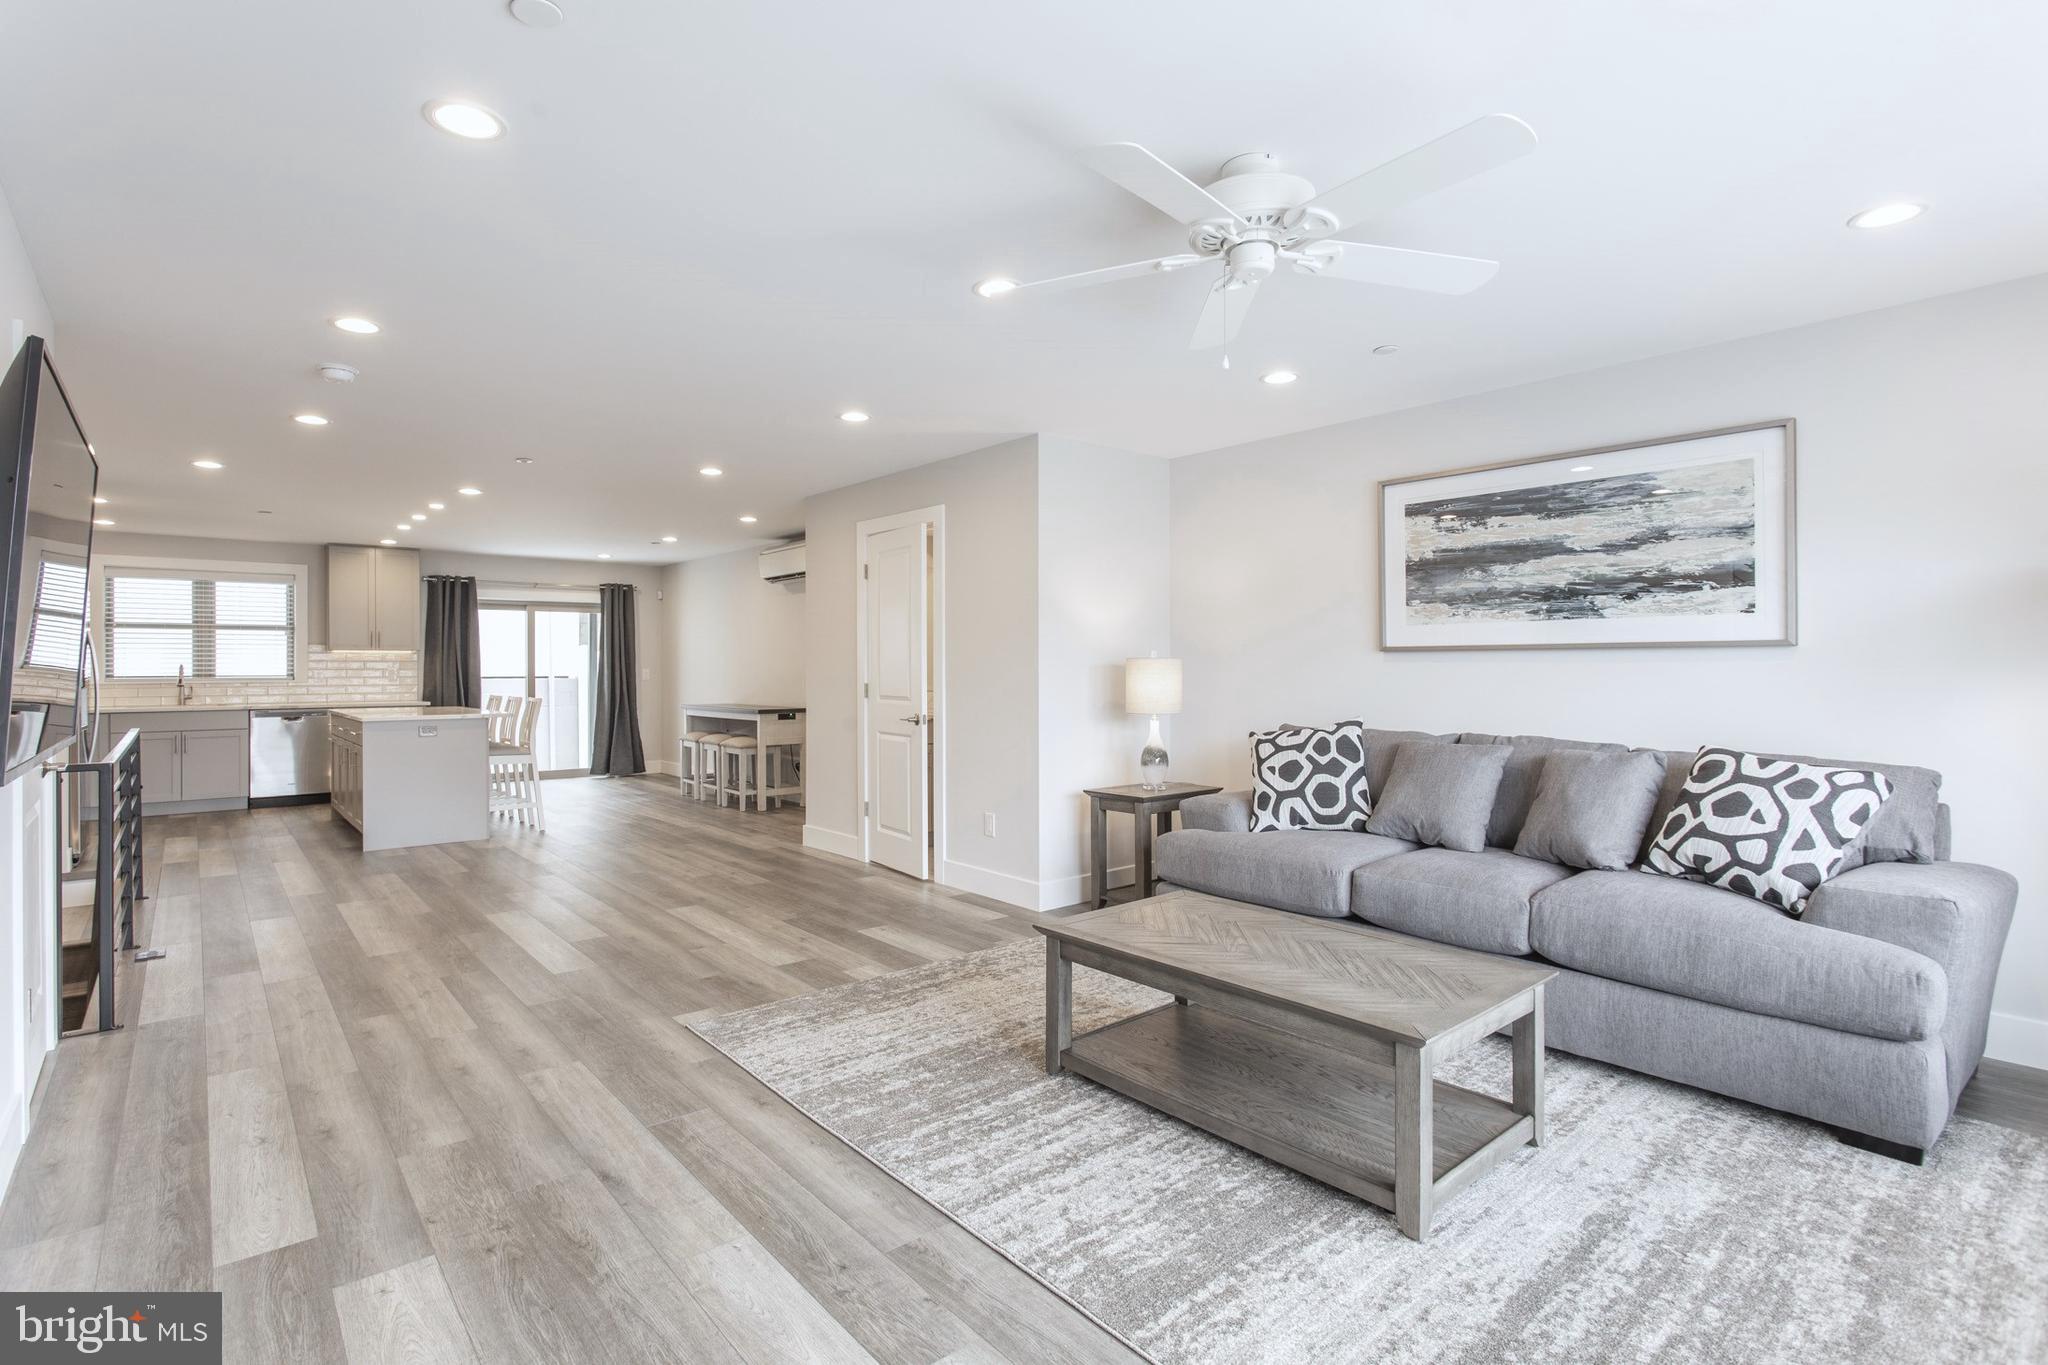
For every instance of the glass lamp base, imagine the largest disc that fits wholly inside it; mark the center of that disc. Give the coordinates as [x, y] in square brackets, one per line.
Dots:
[1152, 761]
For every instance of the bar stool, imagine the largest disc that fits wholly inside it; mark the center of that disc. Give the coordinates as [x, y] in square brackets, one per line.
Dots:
[741, 750]
[697, 749]
[781, 760]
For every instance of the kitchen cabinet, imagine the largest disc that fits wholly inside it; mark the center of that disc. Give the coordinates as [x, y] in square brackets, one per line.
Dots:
[197, 756]
[373, 597]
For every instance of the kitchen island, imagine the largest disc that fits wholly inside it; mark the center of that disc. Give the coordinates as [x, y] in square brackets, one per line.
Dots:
[411, 775]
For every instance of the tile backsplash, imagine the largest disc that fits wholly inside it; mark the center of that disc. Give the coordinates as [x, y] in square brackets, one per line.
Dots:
[331, 675]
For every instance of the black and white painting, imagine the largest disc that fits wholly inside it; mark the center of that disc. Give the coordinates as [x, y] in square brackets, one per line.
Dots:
[1680, 541]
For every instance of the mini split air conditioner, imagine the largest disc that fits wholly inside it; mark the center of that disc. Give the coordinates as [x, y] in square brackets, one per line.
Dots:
[783, 564]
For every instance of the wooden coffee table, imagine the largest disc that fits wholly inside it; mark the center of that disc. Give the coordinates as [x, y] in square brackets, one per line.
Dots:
[1312, 1042]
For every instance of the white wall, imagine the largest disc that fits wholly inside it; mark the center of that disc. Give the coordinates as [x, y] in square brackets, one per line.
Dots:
[991, 625]
[28, 889]
[1923, 566]
[729, 636]
[1103, 591]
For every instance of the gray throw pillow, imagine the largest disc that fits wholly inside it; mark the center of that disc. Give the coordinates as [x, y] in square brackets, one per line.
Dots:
[1440, 794]
[1592, 807]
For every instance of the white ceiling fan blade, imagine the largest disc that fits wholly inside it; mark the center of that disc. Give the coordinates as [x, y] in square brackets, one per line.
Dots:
[1221, 316]
[1108, 274]
[1155, 182]
[1392, 265]
[1479, 146]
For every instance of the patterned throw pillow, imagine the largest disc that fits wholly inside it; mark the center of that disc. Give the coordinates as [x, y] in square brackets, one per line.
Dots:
[1771, 828]
[1303, 778]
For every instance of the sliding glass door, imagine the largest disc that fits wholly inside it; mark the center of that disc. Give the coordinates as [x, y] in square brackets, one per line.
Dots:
[546, 650]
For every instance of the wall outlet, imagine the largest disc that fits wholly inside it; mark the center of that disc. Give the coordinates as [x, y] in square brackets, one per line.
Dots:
[988, 824]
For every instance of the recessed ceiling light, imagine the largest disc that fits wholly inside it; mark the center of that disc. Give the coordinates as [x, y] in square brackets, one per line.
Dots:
[994, 286]
[103, 521]
[362, 327]
[98, 501]
[604, 556]
[263, 511]
[437, 507]
[711, 471]
[206, 464]
[387, 541]
[521, 459]
[419, 516]
[668, 540]
[537, 13]
[463, 119]
[853, 415]
[405, 526]
[1385, 350]
[749, 520]
[310, 419]
[1582, 469]
[1278, 377]
[471, 492]
[1887, 215]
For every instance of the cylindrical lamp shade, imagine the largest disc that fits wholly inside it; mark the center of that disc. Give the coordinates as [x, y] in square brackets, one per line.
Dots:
[1152, 687]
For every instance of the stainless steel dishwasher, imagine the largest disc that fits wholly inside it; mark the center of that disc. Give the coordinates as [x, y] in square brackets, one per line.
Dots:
[287, 757]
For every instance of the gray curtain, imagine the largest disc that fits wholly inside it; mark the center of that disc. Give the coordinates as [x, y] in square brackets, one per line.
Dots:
[615, 745]
[451, 663]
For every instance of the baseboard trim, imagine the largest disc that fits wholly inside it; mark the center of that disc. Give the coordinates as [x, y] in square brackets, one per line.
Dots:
[832, 841]
[2016, 1038]
[667, 767]
[997, 886]
[1057, 893]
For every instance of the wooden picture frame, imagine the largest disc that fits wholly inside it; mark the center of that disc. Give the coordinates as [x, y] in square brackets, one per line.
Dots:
[1683, 540]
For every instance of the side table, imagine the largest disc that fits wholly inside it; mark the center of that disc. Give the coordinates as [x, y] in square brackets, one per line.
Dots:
[1152, 809]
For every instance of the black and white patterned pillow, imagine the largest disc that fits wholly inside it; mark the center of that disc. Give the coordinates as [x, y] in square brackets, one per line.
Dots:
[1771, 828]
[1304, 778]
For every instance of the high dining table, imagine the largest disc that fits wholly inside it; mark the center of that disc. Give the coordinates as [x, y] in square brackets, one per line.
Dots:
[770, 725]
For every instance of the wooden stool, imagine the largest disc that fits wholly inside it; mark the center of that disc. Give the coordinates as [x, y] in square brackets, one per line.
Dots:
[742, 751]
[696, 747]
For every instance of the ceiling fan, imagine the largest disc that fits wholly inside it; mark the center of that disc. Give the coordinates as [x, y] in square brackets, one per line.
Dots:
[1255, 216]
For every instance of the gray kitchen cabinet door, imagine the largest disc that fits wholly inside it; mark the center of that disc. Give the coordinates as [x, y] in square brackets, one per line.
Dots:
[398, 599]
[351, 596]
[160, 768]
[215, 765]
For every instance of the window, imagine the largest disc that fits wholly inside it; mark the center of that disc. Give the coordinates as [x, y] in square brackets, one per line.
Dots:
[58, 618]
[213, 625]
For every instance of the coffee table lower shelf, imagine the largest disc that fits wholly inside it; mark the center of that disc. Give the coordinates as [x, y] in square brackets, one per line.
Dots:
[1297, 1102]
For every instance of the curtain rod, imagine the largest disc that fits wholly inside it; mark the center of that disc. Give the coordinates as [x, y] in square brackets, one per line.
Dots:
[507, 583]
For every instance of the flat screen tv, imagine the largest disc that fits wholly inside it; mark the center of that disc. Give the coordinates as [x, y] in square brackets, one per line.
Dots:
[45, 545]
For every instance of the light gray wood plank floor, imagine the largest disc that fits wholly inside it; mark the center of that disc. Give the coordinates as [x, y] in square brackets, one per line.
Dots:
[438, 1104]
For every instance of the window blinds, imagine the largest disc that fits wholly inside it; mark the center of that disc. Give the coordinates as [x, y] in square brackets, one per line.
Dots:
[213, 626]
[59, 615]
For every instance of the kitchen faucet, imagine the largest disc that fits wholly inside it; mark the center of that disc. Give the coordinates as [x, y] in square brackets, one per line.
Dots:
[184, 688]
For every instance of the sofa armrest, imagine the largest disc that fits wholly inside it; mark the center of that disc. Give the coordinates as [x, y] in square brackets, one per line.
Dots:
[1955, 913]
[1230, 812]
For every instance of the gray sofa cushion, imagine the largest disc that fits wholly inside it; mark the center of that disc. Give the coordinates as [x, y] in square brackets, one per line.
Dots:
[1470, 900]
[1379, 753]
[1591, 807]
[1439, 794]
[1908, 829]
[1224, 810]
[1518, 780]
[1707, 944]
[1306, 871]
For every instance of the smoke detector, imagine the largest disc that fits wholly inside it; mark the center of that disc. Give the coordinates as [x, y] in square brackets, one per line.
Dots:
[339, 374]
[537, 13]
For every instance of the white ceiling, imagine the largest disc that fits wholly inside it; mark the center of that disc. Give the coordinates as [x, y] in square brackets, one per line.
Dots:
[713, 227]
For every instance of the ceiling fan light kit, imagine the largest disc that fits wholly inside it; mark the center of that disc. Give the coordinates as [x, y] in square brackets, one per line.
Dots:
[1255, 216]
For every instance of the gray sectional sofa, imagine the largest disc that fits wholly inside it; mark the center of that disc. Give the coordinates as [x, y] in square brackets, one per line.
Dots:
[1868, 1014]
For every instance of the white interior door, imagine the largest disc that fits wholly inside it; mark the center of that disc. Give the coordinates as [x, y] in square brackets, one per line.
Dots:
[898, 723]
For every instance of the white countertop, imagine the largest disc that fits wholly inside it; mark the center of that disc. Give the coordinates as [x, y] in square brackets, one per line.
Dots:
[243, 706]
[375, 715]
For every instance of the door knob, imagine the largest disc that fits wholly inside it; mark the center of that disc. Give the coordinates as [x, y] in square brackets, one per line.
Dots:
[915, 720]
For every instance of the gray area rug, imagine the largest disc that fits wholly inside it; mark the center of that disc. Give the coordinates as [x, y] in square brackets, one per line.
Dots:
[1658, 1222]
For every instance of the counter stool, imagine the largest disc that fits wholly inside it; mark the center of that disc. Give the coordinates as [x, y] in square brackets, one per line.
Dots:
[697, 760]
[515, 774]
[736, 774]
[781, 762]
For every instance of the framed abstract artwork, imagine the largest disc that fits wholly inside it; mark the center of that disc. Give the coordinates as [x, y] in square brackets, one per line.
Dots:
[1686, 540]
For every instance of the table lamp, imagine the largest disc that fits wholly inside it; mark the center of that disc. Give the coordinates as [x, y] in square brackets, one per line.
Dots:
[1152, 688]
